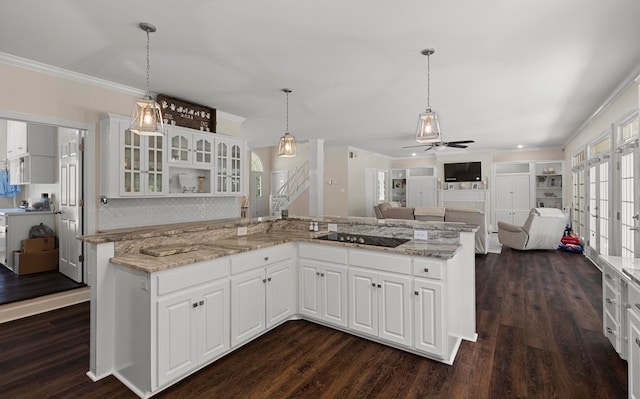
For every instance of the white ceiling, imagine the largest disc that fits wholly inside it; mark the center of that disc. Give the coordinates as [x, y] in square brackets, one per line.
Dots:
[504, 73]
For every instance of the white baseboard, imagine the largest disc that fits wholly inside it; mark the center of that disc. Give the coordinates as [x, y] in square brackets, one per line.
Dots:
[30, 307]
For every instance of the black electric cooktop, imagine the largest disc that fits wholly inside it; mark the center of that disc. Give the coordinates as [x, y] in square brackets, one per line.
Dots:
[389, 242]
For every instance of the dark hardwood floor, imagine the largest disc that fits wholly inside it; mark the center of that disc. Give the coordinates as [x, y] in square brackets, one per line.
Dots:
[14, 288]
[539, 322]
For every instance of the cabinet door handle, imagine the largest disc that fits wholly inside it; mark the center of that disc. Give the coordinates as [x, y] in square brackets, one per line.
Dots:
[610, 331]
[379, 286]
[264, 280]
[638, 306]
[415, 293]
[321, 274]
[201, 303]
[426, 270]
[638, 341]
[373, 285]
[608, 276]
[269, 279]
[317, 273]
[195, 304]
[266, 258]
[609, 301]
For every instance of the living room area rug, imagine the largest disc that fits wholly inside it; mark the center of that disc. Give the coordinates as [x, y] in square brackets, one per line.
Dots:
[494, 246]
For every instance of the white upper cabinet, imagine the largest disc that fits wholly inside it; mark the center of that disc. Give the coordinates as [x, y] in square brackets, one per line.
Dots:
[30, 138]
[189, 148]
[133, 165]
[228, 168]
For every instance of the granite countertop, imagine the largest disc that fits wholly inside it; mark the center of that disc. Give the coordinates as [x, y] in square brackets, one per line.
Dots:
[160, 258]
[634, 274]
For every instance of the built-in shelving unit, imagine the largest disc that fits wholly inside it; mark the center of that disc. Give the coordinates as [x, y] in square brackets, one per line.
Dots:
[548, 183]
[399, 186]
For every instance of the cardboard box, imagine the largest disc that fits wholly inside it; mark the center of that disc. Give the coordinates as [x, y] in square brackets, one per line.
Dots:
[31, 245]
[27, 263]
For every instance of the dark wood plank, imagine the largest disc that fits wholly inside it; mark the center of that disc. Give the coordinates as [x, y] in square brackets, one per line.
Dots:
[14, 288]
[539, 336]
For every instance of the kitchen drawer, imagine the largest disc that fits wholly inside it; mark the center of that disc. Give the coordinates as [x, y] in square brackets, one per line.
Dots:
[427, 268]
[325, 253]
[612, 331]
[260, 258]
[612, 301]
[192, 275]
[380, 261]
[634, 297]
[610, 275]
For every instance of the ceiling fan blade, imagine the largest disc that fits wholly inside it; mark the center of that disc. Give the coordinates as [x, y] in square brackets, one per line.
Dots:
[419, 145]
[461, 142]
[454, 145]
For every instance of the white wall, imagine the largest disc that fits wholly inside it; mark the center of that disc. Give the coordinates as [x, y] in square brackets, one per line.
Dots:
[356, 184]
[49, 95]
[336, 170]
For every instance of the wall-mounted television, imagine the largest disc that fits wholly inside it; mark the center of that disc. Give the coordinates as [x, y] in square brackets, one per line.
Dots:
[462, 171]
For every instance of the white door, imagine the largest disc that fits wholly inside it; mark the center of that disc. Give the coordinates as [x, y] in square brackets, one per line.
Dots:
[309, 289]
[634, 355]
[247, 305]
[428, 317]
[395, 308]
[213, 321]
[69, 142]
[334, 293]
[629, 246]
[279, 294]
[363, 301]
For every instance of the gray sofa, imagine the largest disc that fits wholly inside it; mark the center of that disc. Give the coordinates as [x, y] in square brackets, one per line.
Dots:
[477, 217]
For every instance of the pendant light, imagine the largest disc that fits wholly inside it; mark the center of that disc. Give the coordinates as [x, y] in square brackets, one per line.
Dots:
[147, 116]
[287, 146]
[428, 128]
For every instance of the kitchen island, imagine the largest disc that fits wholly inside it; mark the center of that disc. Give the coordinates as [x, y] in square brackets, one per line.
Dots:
[169, 300]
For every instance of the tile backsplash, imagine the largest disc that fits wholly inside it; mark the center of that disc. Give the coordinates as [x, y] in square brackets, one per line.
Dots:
[133, 212]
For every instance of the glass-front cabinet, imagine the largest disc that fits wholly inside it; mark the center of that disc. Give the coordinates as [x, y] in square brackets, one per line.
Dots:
[228, 170]
[180, 163]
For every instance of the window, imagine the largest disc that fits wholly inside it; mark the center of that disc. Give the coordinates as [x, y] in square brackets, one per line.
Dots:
[256, 163]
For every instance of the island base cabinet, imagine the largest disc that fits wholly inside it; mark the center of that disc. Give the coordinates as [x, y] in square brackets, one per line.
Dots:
[323, 292]
[192, 329]
[380, 305]
[430, 335]
[261, 298]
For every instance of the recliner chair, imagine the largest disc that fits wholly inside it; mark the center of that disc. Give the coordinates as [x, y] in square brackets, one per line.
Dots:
[543, 229]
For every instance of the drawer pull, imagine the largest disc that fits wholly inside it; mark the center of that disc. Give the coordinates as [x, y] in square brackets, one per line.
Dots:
[426, 270]
[609, 301]
[266, 258]
[610, 331]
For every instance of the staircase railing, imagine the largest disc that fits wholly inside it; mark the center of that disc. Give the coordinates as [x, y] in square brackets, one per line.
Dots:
[291, 189]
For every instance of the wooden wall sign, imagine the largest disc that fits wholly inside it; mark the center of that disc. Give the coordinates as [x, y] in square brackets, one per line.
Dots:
[182, 113]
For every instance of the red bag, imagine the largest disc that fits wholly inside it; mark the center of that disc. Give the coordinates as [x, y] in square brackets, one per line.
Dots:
[570, 240]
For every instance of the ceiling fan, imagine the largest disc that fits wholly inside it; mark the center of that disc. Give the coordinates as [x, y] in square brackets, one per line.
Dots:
[437, 144]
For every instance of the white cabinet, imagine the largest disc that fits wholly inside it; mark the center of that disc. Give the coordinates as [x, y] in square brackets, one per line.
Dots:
[421, 191]
[633, 332]
[31, 153]
[380, 305]
[323, 285]
[192, 329]
[137, 163]
[190, 148]
[614, 316]
[228, 166]
[512, 198]
[30, 138]
[262, 291]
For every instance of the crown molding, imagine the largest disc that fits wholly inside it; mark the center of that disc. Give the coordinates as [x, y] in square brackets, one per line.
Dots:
[51, 70]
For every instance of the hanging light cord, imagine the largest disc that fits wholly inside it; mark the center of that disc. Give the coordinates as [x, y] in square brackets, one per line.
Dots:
[287, 131]
[428, 81]
[148, 68]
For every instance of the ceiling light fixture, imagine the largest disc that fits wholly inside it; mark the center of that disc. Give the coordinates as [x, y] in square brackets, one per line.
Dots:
[147, 116]
[287, 146]
[428, 127]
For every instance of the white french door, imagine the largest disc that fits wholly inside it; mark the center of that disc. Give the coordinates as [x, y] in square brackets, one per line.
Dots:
[630, 203]
[599, 209]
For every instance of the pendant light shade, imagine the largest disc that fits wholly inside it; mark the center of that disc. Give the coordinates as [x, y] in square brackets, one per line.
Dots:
[428, 131]
[287, 146]
[147, 115]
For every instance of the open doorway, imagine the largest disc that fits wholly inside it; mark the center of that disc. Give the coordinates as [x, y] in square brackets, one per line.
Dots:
[58, 174]
[257, 186]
